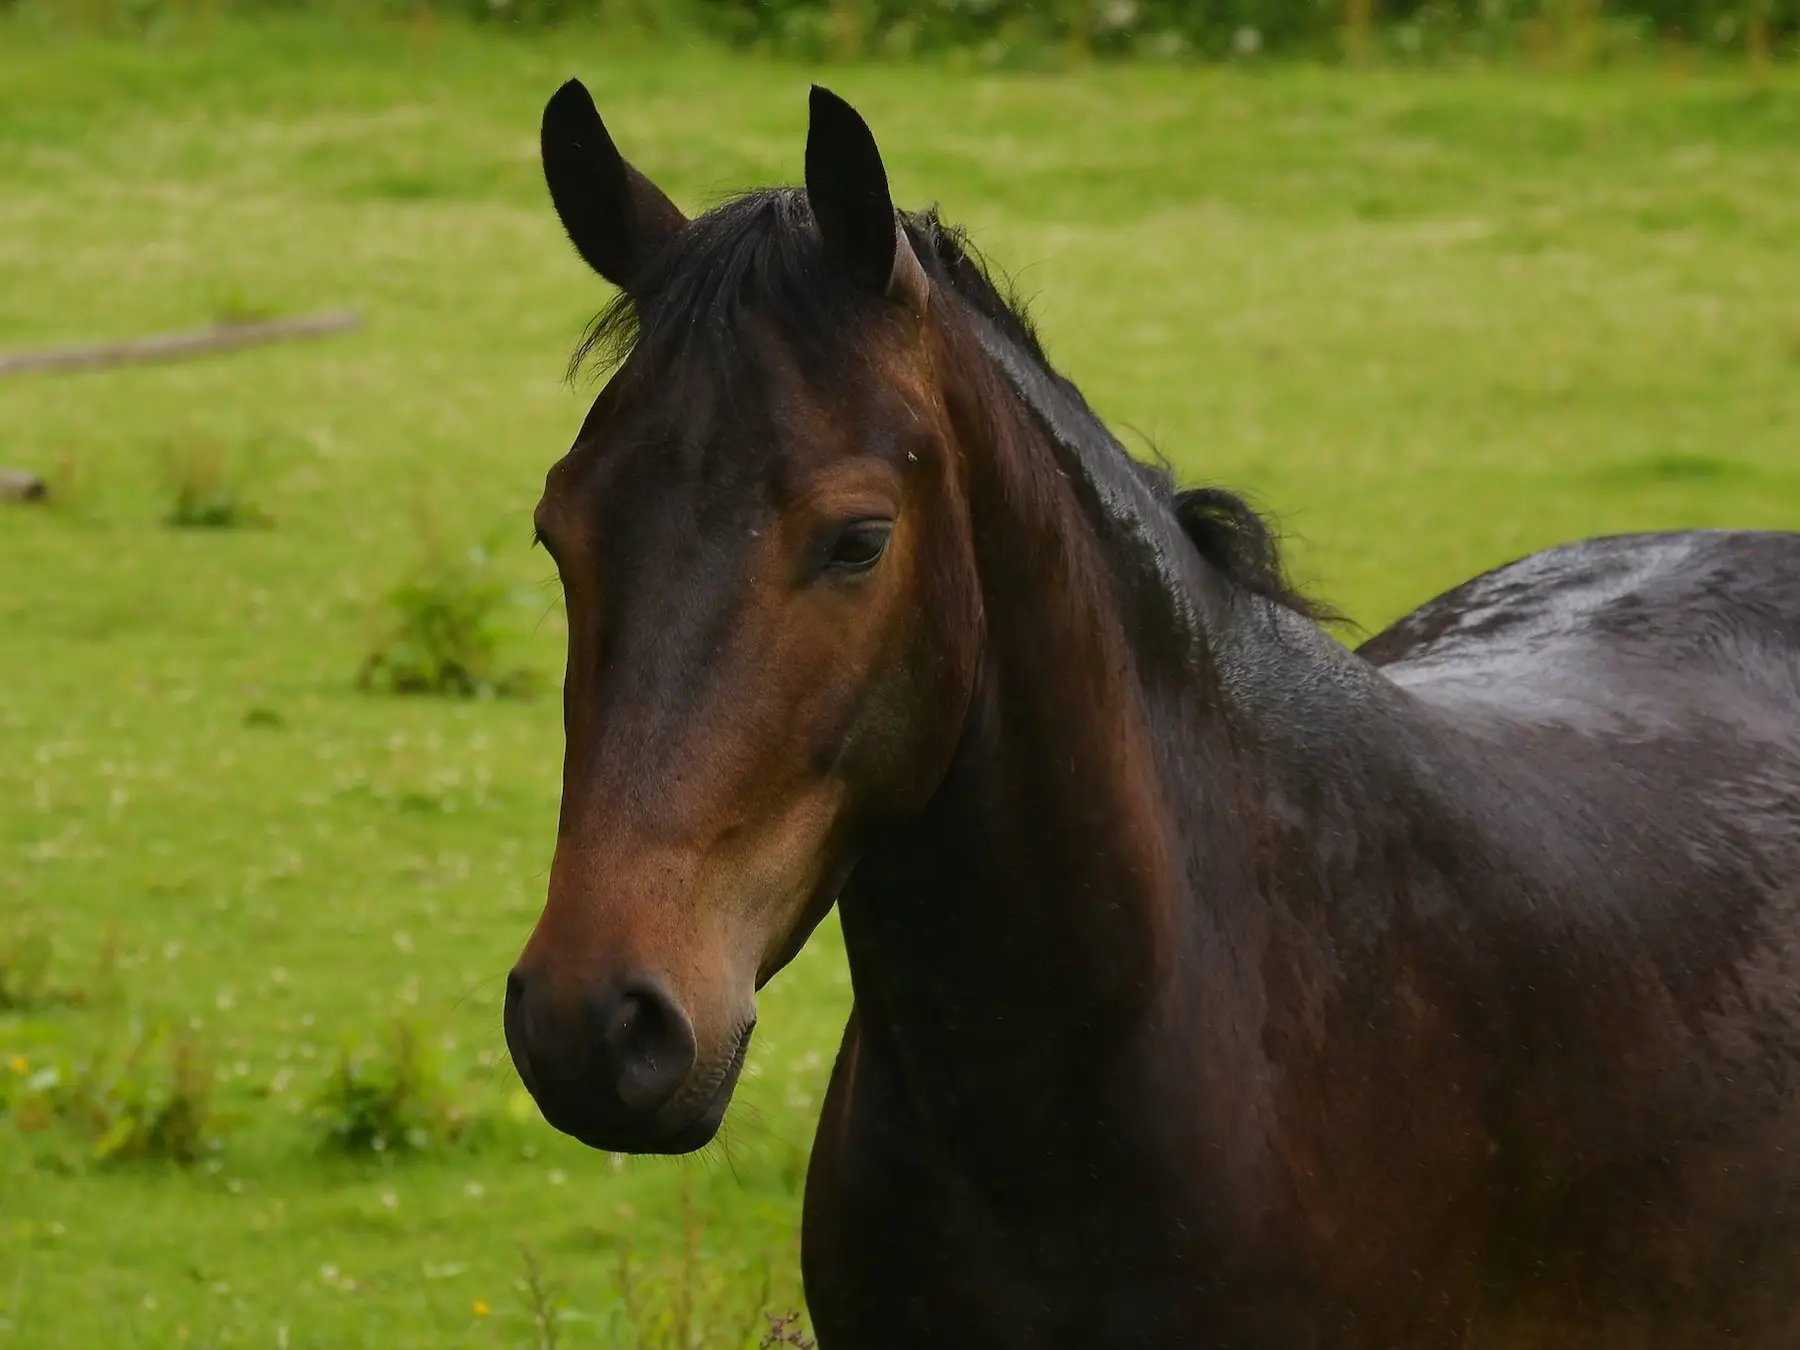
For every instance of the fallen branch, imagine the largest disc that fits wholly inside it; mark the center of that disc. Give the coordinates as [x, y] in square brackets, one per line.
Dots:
[21, 485]
[174, 346]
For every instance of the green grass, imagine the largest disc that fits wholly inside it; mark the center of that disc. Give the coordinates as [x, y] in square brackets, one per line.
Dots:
[1432, 321]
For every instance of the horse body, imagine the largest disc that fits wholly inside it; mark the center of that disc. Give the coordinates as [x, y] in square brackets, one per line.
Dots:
[1504, 1053]
[1215, 986]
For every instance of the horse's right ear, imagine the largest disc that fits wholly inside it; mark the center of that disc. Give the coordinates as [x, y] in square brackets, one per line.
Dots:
[616, 218]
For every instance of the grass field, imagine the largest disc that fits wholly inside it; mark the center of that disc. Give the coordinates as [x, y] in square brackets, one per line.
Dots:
[1432, 321]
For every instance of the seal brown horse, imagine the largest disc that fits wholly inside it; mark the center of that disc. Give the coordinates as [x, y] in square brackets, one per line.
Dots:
[1215, 985]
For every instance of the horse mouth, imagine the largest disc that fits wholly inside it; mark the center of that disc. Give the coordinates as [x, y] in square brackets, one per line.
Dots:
[688, 1123]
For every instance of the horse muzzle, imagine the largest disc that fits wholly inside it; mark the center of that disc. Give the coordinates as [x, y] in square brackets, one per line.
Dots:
[618, 1066]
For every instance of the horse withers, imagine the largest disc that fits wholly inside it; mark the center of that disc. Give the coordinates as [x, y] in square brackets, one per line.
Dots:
[1215, 986]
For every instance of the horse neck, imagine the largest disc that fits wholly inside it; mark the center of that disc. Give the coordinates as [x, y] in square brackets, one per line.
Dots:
[1128, 832]
[1007, 941]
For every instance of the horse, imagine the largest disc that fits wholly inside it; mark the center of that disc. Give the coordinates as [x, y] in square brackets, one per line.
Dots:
[1215, 984]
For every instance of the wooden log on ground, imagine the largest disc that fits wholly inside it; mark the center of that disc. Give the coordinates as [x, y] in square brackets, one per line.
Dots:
[176, 346]
[21, 485]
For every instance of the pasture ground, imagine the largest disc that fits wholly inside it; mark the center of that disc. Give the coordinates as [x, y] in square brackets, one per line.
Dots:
[1432, 320]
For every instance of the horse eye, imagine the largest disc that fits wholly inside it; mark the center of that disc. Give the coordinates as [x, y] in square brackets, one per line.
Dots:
[859, 546]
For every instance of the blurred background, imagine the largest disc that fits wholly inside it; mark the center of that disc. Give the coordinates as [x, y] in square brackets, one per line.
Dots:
[1437, 283]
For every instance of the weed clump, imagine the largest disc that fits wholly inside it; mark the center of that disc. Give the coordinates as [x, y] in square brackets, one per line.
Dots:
[697, 1299]
[25, 983]
[692, 1301]
[387, 1097]
[153, 1103]
[542, 1303]
[29, 981]
[19, 1080]
[158, 1106]
[441, 633]
[207, 488]
[786, 1331]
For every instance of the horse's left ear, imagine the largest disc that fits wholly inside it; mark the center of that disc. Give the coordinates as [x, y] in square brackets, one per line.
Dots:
[847, 186]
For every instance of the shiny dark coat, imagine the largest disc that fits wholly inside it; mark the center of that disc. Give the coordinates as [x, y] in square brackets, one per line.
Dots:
[1217, 987]
[1472, 975]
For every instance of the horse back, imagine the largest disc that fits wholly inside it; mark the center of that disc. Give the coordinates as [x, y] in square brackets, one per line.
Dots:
[1614, 727]
[1723, 603]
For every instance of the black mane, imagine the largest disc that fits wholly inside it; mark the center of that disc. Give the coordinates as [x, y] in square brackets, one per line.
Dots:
[759, 255]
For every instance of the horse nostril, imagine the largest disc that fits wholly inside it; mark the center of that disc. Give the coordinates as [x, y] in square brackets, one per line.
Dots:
[649, 1045]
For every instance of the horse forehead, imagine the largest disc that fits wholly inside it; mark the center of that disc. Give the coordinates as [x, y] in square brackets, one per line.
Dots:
[644, 475]
[713, 435]
[755, 459]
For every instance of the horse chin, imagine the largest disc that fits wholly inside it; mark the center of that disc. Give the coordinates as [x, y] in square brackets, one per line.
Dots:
[688, 1139]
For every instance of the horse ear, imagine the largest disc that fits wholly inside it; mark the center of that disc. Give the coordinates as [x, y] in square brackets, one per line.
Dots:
[847, 186]
[616, 218]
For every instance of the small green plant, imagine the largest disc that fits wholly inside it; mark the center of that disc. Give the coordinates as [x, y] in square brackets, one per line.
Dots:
[786, 1331]
[154, 1102]
[700, 1301]
[232, 307]
[441, 629]
[207, 488]
[69, 482]
[543, 1304]
[28, 977]
[25, 956]
[18, 1081]
[159, 1105]
[389, 1096]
